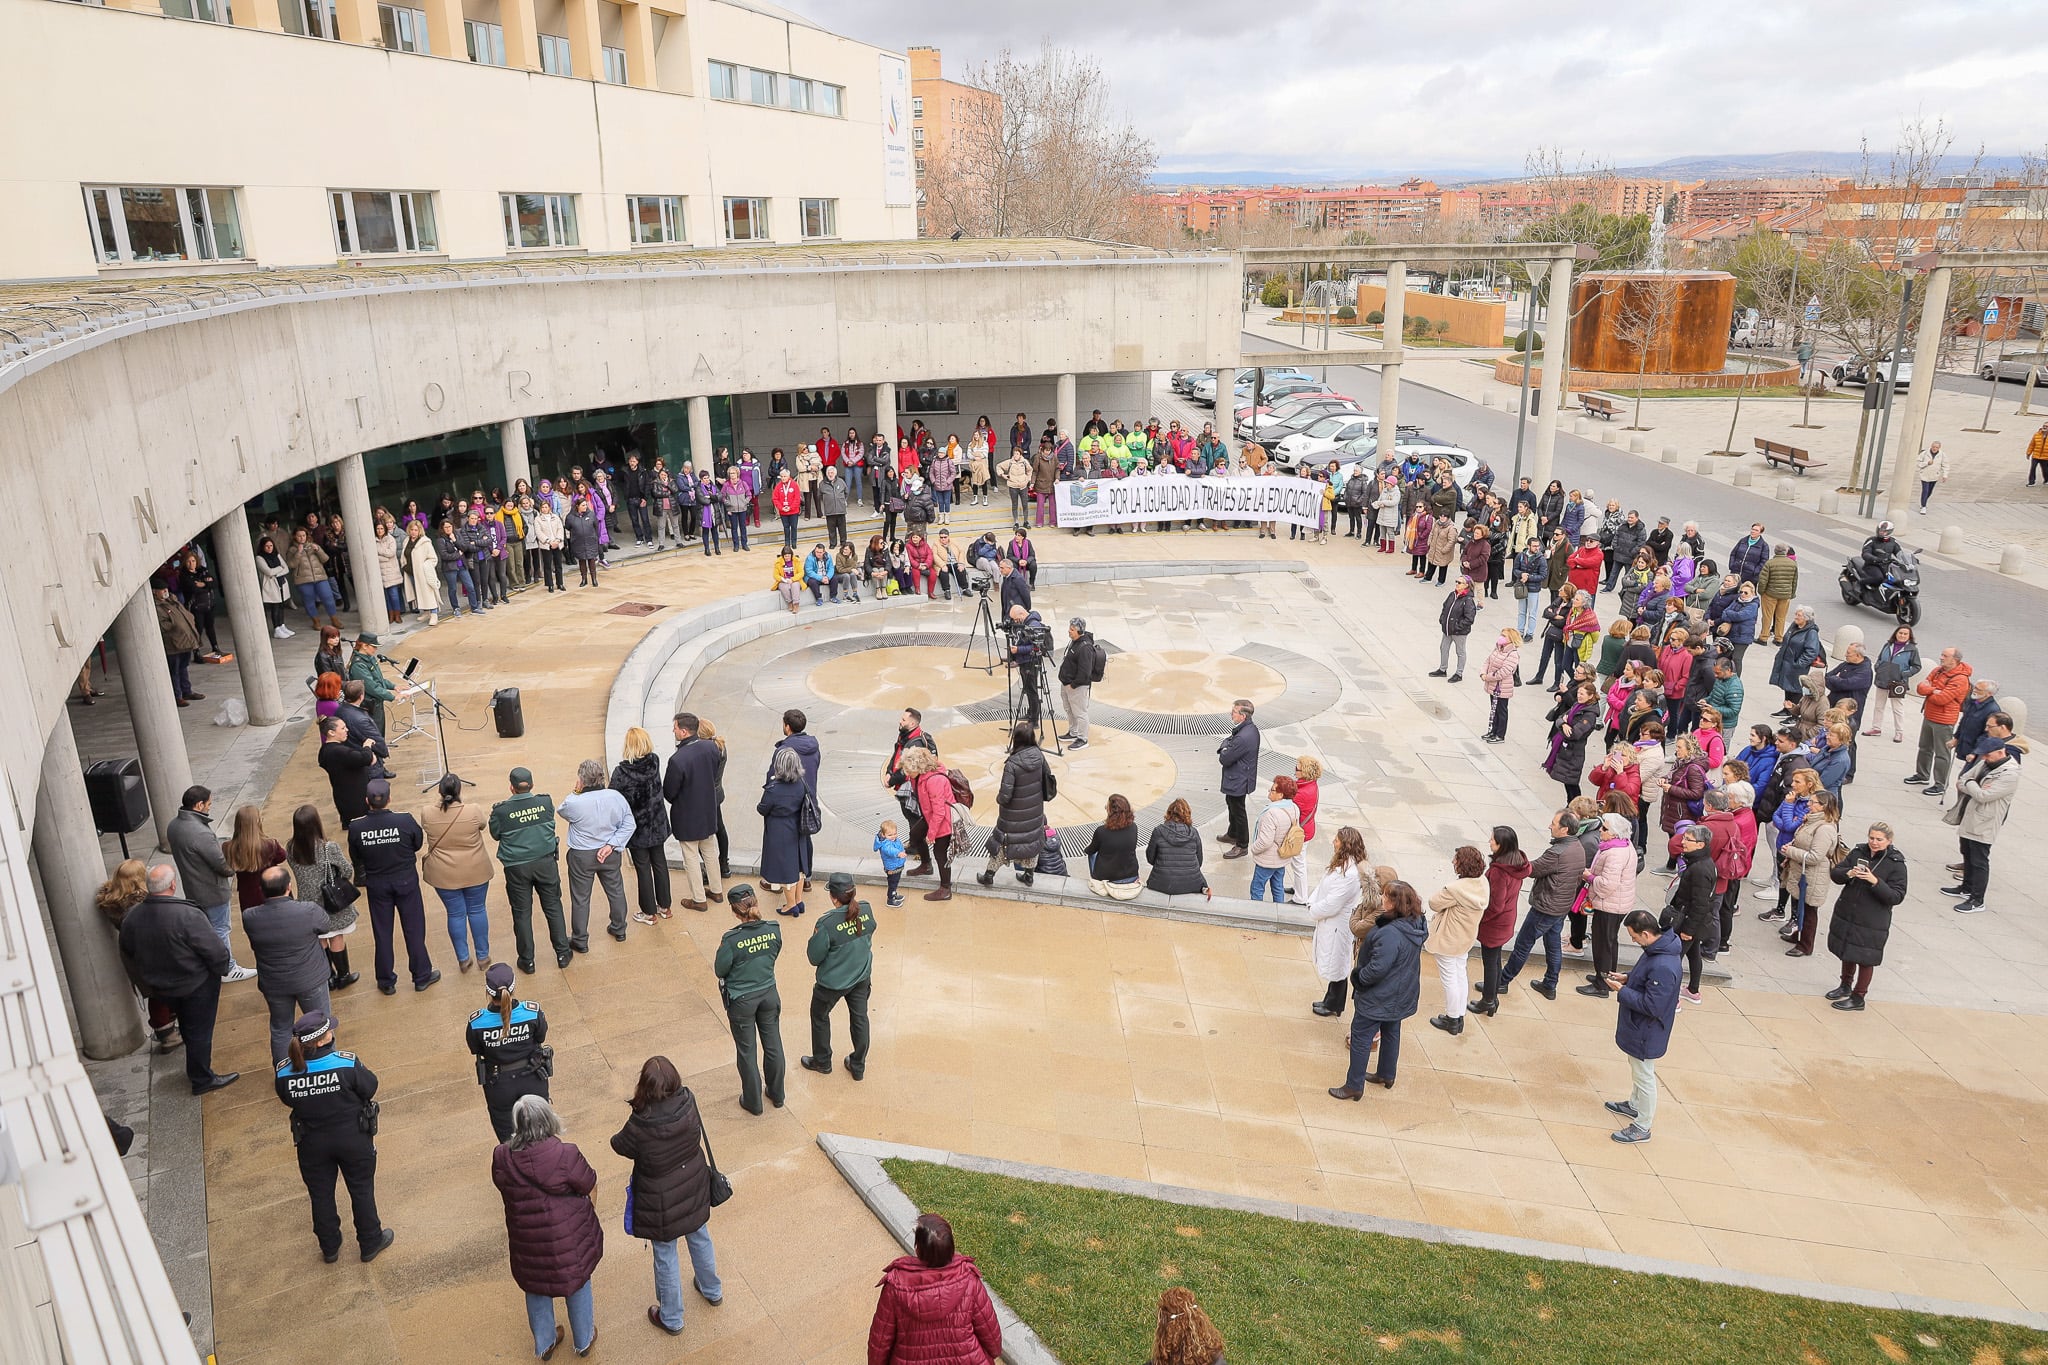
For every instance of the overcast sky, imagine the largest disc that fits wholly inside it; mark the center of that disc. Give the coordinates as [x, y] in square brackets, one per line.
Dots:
[1337, 87]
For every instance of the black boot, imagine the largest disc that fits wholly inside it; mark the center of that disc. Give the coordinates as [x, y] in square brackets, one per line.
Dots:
[337, 964]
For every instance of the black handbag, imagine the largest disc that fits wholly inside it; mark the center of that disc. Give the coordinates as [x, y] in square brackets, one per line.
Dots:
[338, 893]
[721, 1188]
[809, 819]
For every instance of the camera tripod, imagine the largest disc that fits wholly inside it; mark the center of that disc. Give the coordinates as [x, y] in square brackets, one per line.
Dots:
[1019, 689]
[982, 636]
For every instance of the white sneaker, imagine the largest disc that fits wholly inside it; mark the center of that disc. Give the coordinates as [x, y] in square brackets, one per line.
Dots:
[283, 633]
[237, 974]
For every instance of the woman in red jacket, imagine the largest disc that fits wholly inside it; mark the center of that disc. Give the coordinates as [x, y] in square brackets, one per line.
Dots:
[556, 1240]
[1505, 873]
[1582, 569]
[934, 1308]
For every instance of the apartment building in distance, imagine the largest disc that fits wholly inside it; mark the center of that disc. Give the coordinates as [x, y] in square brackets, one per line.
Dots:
[937, 108]
[325, 132]
[1377, 209]
[1747, 198]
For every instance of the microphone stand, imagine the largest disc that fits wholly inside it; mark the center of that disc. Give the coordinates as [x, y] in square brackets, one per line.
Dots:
[440, 732]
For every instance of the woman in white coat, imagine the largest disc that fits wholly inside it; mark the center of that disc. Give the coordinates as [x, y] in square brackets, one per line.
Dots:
[1454, 915]
[422, 572]
[1348, 881]
[390, 575]
[274, 586]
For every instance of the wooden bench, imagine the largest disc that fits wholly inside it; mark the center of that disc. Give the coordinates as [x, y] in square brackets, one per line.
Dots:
[1600, 405]
[1778, 453]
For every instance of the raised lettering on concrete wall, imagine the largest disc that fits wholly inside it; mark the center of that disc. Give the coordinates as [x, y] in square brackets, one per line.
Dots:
[99, 551]
[144, 504]
[434, 396]
[519, 383]
[53, 602]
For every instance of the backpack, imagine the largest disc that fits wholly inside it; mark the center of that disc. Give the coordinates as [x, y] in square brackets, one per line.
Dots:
[962, 792]
[1097, 664]
[1293, 841]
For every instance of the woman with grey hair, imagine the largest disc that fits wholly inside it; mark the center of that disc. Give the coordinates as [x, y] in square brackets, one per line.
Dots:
[600, 830]
[551, 1224]
[785, 849]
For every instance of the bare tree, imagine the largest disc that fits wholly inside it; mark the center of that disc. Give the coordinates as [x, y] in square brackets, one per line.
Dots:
[1644, 308]
[1047, 157]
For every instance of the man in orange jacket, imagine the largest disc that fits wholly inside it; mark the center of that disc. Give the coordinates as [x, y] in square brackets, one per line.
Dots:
[1943, 690]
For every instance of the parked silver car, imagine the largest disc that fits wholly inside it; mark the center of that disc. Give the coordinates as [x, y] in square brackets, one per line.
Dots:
[2017, 368]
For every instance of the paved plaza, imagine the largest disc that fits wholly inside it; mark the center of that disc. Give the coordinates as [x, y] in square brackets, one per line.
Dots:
[1886, 1149]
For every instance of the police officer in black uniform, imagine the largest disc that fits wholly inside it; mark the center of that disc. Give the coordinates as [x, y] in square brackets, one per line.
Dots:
[509, 1039]
[332, 1097]
[745, 966]
[385, 845]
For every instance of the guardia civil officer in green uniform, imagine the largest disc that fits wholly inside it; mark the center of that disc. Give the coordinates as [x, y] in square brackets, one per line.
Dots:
[746, 983]
[842, 949]
[334, 1125]
[509, 1038]
[524, 826]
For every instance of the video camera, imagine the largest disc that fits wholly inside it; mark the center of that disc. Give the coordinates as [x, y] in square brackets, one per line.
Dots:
[980, 581]
[1030, 641]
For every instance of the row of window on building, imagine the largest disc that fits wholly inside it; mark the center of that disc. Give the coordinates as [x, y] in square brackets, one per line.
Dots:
[403, 28]
[146, 224]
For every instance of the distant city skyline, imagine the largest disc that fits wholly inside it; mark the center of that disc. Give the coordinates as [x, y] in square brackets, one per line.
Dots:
[1467, 88]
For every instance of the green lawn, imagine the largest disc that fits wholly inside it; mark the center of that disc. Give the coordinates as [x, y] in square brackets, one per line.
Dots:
[1085, 1270]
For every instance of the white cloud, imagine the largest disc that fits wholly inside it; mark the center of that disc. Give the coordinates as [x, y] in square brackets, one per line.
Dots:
[1472, 85]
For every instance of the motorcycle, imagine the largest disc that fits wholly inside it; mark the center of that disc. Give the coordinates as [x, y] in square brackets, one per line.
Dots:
[1898, 593]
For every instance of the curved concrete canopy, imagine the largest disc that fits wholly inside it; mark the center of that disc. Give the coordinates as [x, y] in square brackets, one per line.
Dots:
[126, 429]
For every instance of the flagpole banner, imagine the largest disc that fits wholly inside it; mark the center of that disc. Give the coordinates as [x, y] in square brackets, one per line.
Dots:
[1148, 497]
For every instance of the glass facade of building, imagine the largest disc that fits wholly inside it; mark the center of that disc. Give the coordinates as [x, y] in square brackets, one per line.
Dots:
[461, 462]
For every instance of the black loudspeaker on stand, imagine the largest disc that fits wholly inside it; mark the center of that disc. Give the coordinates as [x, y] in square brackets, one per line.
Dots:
[505, 706]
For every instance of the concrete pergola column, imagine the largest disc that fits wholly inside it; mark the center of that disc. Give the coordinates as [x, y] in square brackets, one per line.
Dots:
[512, 445]
[1393, 316]
[1225, 407]
[885, 411]
[1063, 405]
[1556, 329]
[1926, 353]
[152, 710]
[68, 859]
[235, 558]
[702, 456]
[353, 483]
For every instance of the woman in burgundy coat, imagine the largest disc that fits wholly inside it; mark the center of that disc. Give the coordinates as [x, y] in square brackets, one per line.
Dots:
[556, 1240]
[1506, 870]
[934, 1308]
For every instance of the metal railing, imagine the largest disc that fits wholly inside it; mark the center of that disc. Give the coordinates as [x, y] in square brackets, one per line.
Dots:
[89, 1272]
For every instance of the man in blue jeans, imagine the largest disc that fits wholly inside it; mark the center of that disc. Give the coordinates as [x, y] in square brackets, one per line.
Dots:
[203, 870]
[1554, 881]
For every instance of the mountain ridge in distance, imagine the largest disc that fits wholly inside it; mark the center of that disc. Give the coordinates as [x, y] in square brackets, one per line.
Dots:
[1712, 166]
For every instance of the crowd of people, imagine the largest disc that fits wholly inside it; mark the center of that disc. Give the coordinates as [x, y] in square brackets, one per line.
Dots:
[1658, 675]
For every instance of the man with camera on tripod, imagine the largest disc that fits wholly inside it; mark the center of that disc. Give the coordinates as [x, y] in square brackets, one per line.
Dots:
[1030, 644]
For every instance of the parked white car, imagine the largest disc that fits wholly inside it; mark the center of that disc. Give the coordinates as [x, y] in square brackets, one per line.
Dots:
[1856, 372]
[1363, 455]
[1316, 443]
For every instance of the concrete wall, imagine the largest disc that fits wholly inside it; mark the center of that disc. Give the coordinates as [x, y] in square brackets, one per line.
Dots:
[1000, 400]
[1473, 322]
[125, 98]
[117, 447]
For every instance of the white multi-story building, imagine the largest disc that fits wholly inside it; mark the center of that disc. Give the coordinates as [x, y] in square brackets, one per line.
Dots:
[154, 137]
